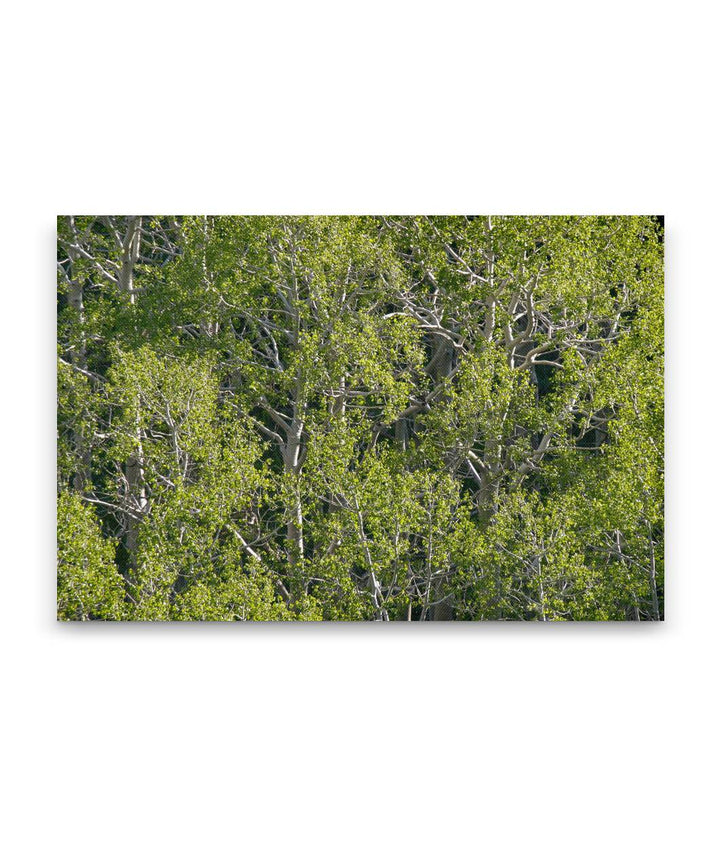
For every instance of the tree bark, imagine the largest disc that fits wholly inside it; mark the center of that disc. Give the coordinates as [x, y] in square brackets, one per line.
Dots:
[135, 464]
[79, 360]
[130, 254]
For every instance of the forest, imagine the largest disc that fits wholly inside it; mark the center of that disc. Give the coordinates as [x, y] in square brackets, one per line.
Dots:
[360, 418]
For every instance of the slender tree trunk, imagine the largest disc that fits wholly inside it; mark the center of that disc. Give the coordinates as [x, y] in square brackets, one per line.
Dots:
[537, 567]
[135, 464]
[130, 255]
[653, 577]
[79, 359]
[211, 326]
[137, 497]
[294, 531]
[442, 608]
[337, 404]
[381, 613]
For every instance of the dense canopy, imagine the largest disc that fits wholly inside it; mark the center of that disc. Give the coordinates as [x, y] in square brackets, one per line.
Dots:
[360, 418]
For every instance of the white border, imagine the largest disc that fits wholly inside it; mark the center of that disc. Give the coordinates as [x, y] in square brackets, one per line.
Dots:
[590, 739]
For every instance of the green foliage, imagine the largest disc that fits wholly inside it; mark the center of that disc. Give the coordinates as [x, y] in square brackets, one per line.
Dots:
[357, 418]
[88, 584]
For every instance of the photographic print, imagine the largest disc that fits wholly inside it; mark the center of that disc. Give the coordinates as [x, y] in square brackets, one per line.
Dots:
[360, 418]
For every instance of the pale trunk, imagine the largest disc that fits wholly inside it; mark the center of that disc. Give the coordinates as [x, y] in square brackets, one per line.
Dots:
[442, 604]
[291, 463]
[130, 255]
[134, 466]
[79, 359]
[653, 577]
